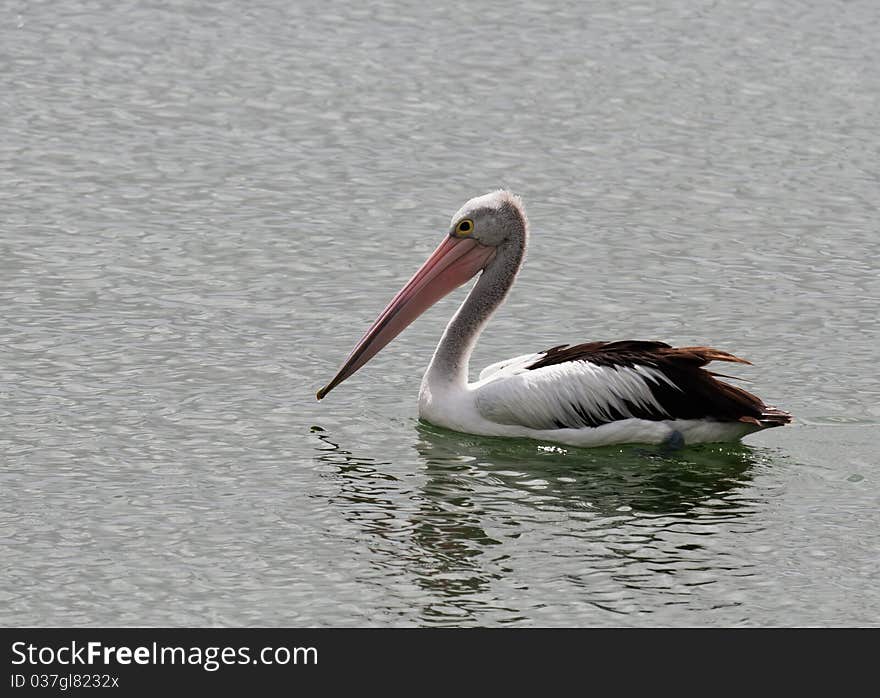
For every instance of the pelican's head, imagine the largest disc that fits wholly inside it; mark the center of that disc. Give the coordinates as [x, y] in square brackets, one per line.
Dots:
[480, 227]
[491, 219]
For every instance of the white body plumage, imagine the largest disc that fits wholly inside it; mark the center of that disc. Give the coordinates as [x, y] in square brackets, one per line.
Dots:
[510, 400]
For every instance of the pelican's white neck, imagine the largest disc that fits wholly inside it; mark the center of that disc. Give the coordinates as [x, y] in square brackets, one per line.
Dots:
[449, 366]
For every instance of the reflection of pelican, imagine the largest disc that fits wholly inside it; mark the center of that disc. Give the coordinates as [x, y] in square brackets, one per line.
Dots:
[500, 530]
[600, 481]
[591, 394]
[619, 530]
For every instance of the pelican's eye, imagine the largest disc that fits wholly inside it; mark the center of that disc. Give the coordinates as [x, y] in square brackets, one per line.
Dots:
[464, 227]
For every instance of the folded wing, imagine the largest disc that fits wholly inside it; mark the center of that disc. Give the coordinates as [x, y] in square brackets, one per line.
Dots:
[588, 385]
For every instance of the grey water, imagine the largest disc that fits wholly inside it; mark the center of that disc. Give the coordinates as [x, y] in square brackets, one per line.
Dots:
[204, 204]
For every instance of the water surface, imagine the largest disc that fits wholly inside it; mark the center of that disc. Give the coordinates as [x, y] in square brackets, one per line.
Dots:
[204, 205]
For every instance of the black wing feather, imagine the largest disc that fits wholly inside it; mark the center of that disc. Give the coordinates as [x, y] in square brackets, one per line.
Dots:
[695, 393]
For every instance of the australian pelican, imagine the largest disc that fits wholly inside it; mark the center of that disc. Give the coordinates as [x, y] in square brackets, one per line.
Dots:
[591, 394]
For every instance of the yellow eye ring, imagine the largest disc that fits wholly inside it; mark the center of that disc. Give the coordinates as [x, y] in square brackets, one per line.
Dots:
[464, 227]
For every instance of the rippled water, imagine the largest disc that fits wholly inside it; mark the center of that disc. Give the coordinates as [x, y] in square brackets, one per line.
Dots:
[204, 204]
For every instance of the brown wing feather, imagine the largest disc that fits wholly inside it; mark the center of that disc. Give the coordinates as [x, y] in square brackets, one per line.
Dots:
[697, 393]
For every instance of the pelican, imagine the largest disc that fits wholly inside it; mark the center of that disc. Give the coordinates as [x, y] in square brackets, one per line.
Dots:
[593, 394]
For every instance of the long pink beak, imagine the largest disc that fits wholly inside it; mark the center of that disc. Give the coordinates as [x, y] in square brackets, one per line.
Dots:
[454, 262]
